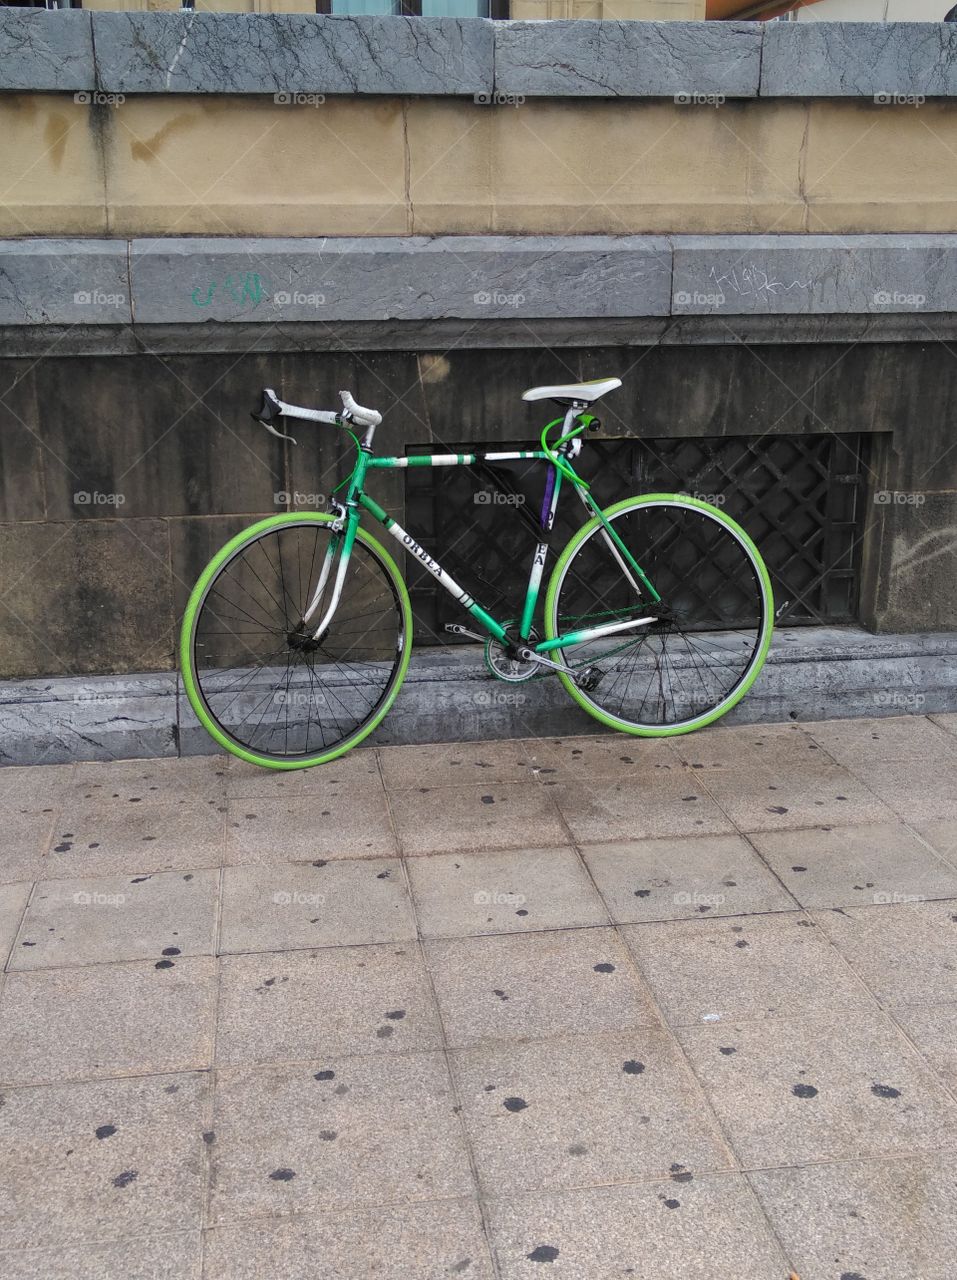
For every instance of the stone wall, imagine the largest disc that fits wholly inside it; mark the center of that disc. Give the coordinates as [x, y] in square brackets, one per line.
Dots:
[751, 224]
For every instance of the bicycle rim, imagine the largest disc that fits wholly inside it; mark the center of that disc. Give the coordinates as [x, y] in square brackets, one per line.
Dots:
[255, 676]
[717, 614]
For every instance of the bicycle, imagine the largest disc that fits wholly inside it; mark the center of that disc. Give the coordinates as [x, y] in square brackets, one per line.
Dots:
[298, 634]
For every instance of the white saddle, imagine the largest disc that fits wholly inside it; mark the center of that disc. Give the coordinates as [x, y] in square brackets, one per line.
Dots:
[586, 392]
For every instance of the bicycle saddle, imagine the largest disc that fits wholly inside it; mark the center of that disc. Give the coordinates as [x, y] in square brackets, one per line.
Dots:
[586, 392]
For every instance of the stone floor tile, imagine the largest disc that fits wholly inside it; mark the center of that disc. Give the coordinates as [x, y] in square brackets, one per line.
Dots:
[175, 1257]
[454, 764]
[747, 967]
[885, 740]
[83, 1163]
[671, 803]
[755, 747]
[913, 790]
[932, 1028]
[612, 755]
[883, 1219]
[107, 1020]
[576, 981]
[583, 1109]
[24, 839]
[941, 836]
[319, 904]
[671, 879]
[856, 866]
[826, 1086]
[298, 1139]
[13, 900]
[77, 922]
[906, 954]
[946, 721]
[456, 895]
[103, 838]
[794, 796]
[689, 1226]
[349, 822]
[299, 1005]
[408, 1242]
[489, 816]
[172, 779]
[251, 780]
[32, 789]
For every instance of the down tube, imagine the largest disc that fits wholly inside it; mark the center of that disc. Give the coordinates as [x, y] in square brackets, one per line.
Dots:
[446, 580]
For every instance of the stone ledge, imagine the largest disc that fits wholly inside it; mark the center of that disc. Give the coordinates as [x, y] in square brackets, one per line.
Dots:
[495, 280]
[877, 60]
[812, 674]
[74, 282]
[400, 278]
[814, 275]
[584, 58]
[289, 53]
[42, 50]
[222, 53]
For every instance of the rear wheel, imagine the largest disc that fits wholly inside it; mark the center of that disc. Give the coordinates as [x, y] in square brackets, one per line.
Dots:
[712, 627]
[258, 680]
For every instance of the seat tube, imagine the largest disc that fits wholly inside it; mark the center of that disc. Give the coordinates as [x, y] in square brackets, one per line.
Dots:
[549, 507]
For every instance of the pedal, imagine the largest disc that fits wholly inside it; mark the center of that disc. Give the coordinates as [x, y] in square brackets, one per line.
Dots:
[456, 629]
[589, 679]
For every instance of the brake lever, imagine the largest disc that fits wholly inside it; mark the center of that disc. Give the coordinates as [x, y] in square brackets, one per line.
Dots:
[273, 432]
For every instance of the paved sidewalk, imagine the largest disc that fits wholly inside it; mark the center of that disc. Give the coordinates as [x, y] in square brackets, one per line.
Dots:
[545, 1009]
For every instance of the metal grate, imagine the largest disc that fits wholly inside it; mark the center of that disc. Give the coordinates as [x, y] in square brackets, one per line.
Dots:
[799, 497]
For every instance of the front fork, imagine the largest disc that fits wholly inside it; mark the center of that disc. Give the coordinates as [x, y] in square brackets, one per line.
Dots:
[343, 537]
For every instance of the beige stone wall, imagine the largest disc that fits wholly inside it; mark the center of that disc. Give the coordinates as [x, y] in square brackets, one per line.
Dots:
[249, 166]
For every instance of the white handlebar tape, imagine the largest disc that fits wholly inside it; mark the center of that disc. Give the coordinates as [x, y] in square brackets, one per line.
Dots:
[363, 417]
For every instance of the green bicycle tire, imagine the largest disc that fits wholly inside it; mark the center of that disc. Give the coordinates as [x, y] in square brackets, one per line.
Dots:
[754, 667]
[191, 615]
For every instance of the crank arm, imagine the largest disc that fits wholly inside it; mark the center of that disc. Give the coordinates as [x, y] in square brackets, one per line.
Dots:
[456, 629]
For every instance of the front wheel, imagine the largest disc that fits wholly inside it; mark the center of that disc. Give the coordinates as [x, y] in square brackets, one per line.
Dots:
[259, 679]
[712, 624]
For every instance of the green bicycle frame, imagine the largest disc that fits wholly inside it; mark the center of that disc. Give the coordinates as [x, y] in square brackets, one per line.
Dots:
[559, 457]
